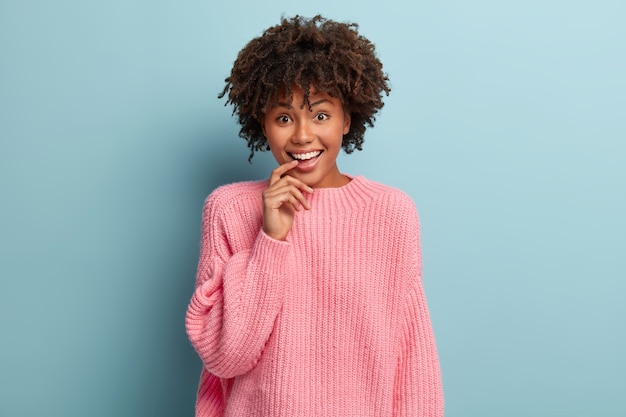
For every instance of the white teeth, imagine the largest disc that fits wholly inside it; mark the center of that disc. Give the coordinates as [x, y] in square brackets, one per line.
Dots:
[305, 156]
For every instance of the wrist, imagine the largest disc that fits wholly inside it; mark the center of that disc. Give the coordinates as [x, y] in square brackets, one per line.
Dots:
[275, 236]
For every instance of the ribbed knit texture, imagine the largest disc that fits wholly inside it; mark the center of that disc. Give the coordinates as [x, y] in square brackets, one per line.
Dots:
[330, 323]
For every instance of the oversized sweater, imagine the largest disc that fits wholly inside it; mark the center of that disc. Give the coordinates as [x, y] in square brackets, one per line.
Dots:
[332, 322]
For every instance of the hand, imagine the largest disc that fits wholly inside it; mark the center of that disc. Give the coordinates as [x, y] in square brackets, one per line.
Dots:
[281, 199]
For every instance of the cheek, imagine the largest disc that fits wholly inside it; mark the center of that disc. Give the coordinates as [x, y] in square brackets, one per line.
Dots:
[270, 137]
[275, 144]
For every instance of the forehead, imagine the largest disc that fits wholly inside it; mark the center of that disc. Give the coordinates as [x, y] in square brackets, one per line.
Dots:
[284, 97]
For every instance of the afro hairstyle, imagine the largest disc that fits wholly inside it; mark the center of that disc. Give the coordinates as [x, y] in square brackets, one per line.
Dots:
[300, 53]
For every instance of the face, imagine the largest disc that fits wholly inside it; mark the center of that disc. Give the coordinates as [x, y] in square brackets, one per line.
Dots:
[313, 137]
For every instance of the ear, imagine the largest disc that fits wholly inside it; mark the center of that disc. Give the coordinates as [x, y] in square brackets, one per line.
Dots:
[346, 122]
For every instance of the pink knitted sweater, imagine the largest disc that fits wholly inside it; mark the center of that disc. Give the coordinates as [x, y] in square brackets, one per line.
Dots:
[331, 322]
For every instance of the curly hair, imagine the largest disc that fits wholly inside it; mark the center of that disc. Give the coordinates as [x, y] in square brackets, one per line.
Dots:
[301, 52]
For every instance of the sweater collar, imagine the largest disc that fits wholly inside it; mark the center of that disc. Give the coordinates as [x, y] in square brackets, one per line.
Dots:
[354, 194]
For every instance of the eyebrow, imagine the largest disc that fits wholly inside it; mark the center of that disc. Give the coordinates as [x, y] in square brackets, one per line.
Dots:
[315, 103]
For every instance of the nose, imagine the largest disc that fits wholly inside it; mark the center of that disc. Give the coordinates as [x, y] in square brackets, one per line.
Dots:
[303, 133]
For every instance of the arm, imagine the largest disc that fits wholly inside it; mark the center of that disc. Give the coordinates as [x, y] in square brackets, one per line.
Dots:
[237, 298]
[418, 389]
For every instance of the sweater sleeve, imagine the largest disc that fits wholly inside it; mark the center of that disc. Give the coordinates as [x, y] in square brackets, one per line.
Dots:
[418, 389]
[237, 297]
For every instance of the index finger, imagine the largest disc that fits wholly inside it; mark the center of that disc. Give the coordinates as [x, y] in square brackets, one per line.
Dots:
[278, 172]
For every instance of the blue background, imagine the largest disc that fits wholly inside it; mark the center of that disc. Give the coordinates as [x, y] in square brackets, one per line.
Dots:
[506, 124]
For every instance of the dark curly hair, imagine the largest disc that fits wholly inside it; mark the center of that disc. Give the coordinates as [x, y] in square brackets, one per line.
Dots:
[301, 52]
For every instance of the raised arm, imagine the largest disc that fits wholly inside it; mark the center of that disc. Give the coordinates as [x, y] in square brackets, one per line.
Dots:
[237, 297]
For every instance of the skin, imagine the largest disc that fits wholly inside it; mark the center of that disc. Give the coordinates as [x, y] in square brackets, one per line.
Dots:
[291, 128]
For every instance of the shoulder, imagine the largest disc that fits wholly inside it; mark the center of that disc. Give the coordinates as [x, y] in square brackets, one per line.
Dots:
[390, 196]
[237, 189]
[234, 197]
[393, 214]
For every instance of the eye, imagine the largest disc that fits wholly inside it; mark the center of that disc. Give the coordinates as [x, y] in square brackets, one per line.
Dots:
[320, 117]
[283, 119]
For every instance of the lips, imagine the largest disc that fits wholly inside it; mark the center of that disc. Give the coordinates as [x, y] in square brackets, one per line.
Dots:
[303, 156]
[307, 161]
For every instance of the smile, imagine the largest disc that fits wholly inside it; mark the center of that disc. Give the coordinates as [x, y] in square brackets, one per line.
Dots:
[305, 156]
